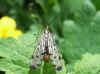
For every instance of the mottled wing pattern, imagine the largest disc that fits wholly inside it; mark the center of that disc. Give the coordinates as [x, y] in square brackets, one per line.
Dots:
[46, 43]
[37, 54]
[56, 58]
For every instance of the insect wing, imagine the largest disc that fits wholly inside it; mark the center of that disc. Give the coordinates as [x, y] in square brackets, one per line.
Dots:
[56, 58]
[37, 54]
[46, 39]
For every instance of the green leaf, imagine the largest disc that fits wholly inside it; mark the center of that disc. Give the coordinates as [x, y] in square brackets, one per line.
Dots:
[16, 55]
[89, 64]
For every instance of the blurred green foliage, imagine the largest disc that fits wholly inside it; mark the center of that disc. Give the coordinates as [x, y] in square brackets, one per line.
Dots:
[77, 29]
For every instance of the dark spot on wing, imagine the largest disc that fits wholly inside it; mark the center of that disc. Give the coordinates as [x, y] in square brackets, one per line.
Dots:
[38, 48]
[59, 57]
[55, 57]
[54, 48]
[54, 44]
[59, 68]
[32, 67]
[38, 43]
[37, 56]
[38, 64]
[42, 53]
[32, 57]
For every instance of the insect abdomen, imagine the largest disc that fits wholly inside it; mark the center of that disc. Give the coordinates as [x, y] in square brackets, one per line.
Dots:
[46, 58]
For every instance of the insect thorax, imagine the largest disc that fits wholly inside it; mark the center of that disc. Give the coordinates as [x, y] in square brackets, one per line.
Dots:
[46, 49]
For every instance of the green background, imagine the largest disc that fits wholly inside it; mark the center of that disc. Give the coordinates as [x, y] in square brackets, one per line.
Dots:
[74, 24]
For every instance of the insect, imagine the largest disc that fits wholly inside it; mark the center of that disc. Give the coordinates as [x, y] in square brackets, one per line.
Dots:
[46, 50]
